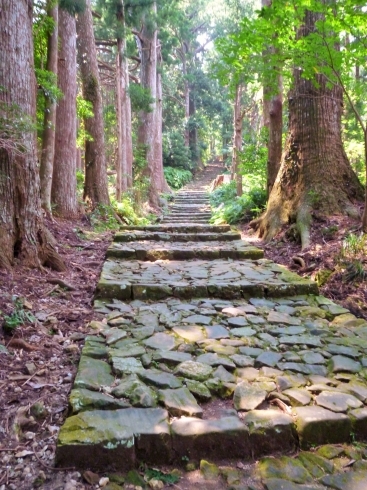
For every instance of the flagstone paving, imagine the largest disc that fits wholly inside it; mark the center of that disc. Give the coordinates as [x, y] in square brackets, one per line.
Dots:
[215, 358]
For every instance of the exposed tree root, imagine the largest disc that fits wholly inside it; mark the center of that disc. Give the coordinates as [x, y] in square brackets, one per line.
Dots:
[303, 222]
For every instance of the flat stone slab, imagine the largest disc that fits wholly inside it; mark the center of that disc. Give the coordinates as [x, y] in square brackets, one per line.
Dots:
[194, 370]
[180, 402]
[176, 237]
[160, 279]
[337, 402]
[81, 400]
[316, 426]
[112, 438]
[247, 397]
[356, 480]
[154, 250]
[342, 364]
[166, 228]
[270, 431]
[93, 374]
[216, 439]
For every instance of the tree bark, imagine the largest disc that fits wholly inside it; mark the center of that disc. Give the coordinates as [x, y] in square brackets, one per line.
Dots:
[95, 184]
[148, 130]
[158, 147]
[315, 173]
[64, 172]
[273, 119]
[49, 121]
[23, 235]
[237, 139]
[128, 128]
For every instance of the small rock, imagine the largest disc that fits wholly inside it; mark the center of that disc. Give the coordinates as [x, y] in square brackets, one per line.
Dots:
[103, 481]
[209, 470]
[31, 368]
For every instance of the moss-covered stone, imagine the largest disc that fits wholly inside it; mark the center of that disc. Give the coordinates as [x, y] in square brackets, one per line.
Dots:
[81, 400]
[209, 471]
[284, 467]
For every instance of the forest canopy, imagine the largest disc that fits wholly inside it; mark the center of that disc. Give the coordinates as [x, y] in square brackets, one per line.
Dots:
[111, 105]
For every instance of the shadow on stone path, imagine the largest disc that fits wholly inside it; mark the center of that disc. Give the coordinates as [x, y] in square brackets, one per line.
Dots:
[207, 350]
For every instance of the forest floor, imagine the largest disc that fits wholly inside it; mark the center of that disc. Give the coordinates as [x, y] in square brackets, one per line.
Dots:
[36, 378]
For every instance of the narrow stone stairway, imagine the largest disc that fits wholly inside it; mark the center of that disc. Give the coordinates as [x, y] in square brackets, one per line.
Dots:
[204, 349]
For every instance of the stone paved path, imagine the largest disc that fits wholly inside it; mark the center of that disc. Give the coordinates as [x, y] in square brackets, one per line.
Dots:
[208, 350]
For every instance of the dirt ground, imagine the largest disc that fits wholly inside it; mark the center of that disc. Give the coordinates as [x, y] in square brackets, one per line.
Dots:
[48, 313]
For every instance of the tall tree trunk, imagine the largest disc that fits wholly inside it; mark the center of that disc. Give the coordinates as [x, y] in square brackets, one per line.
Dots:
[158, 147]
[148, 120]
[273, 119]
[124, 151]
[95, 185]
[315, 173]
[186, 96]
[193, 133]
[128, 126]
[49, 121]
[64, 173]
[22, 232]
[121, 155]
[275, 135]
[237, 139]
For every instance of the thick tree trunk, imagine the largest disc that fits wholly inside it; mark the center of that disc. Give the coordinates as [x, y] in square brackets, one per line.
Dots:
[237, 139]
[64, 172]
[49, 121]
[273, 120]
[22, 233]
[315, 172]
[95, 185]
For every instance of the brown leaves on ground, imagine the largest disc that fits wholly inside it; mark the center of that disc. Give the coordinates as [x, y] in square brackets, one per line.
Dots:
[44, 341]
[336, 258]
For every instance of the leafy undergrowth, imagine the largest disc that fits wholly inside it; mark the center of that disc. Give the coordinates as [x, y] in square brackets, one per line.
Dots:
[228, 208]
[336, 259]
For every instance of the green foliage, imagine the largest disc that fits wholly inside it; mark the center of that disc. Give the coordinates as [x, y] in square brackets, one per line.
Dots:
[47, 83]
[73, 6]
[167, 478]
[18, 317]
[177, 177]
[228, 208]
[126, 210]
[354, 247]
[175, 153]
[103, 218]
[84, 110]
[254, 156]
[141, 98]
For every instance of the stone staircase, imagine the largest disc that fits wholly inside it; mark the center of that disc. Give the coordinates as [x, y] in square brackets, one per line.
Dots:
[204, 349]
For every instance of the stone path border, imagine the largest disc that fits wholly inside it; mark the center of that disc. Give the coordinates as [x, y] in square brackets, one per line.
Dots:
[171, 377]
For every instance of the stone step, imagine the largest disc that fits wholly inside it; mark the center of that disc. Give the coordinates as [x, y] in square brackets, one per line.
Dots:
[186, 221]
[191, 207]
[179, 251]
[182, 221]
[127, 280]
[176, 381]
[191, 201]
[193, 214]
[126, 236]
[166, 228]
